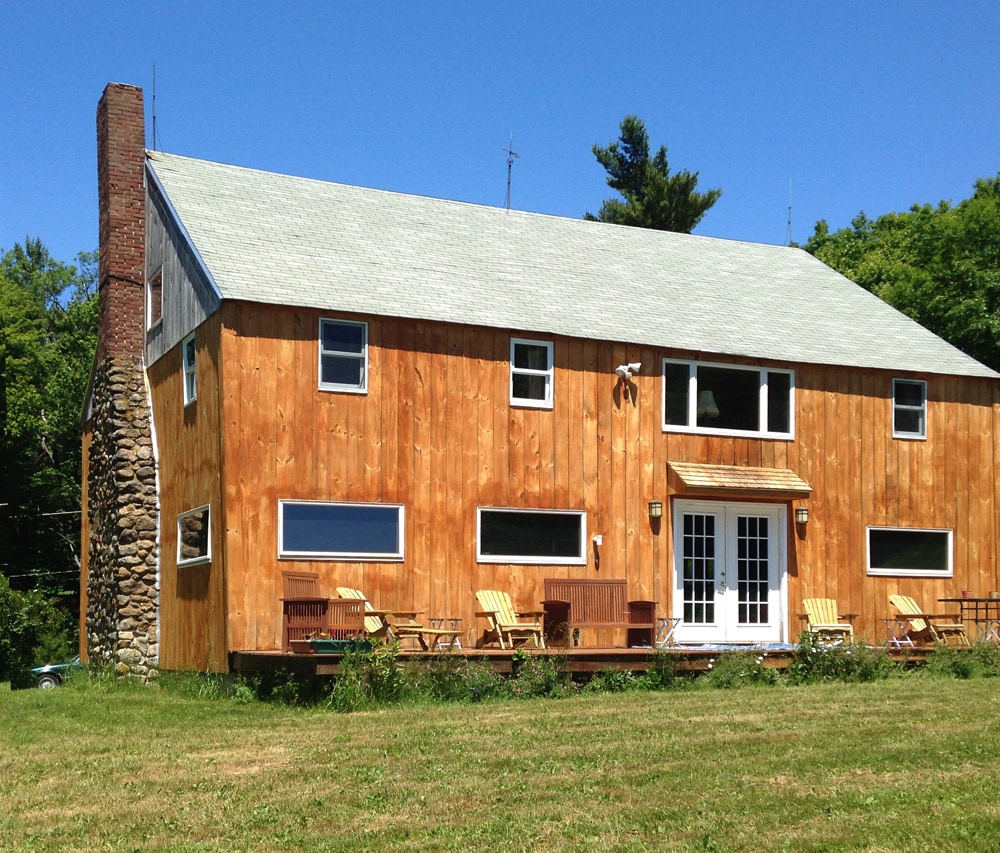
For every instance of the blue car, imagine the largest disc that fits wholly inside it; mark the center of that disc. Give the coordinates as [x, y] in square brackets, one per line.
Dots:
[52, 674]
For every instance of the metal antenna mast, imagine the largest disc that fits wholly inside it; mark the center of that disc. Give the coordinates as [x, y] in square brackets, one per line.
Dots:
[788, 236]
[154, 106]
[511, 154]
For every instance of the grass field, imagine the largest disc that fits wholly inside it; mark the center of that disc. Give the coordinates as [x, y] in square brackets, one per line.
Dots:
[907, 764]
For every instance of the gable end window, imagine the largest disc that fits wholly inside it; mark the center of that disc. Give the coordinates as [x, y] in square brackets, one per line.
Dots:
[908, 552]
[154, 299]
[190, 374]
[194, 537]
[343, 356]
[317, 530]
[909, 408]
[531, 369]
[542, 537]
[727, 399]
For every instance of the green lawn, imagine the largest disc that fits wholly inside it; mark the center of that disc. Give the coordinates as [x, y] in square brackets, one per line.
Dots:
[907, 764]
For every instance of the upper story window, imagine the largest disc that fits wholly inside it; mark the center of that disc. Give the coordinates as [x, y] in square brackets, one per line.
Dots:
[727, 399]
[194, 537]
[343, 356]
[190, 374]
[909, 408]
[531, 373]
[154, 299]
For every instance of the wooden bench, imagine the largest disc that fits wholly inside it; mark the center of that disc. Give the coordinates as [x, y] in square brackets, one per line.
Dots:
[574, 603]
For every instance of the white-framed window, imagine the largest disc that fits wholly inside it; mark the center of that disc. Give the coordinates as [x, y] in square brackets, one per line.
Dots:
[535, 536]
[154, 298]
[189, 356]
[728, 399]
[194, 537]
[909, 552]
[343, 356]
[531, 370]
[909, 408]
[332, 530]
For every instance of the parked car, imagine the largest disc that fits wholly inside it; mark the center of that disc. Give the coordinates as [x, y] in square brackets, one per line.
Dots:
[51, 674]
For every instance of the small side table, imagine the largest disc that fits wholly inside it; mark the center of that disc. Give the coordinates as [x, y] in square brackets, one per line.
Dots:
[665, 631]
[454, 625]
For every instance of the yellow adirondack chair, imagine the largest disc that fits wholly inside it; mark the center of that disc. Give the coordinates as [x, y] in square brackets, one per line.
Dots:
[400, 625]
[505, 625]
[921, 627]
[824, 620]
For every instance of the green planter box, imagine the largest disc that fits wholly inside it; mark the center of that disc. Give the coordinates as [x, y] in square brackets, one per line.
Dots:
[339, 647]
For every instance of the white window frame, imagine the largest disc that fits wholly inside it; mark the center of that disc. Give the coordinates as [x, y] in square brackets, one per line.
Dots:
[201, 559]
[360, 388]
[356, 556]
[548, 373]
[521, 559]
[154, 299]
[190, 370]
[946, 572]
[692, 418]
[902, 407]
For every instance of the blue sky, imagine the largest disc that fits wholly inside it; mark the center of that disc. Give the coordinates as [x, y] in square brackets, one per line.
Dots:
[855, 106]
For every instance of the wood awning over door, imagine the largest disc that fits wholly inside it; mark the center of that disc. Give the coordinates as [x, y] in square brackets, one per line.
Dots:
[691, 478]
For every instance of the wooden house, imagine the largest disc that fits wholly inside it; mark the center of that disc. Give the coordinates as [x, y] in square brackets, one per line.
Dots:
[420, 398]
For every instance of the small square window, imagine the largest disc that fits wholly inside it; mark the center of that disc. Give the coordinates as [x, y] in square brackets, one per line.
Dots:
[154, 299]
[194, 537]
[531, 373]
[190, 373]
[909, 408]
[343, 356]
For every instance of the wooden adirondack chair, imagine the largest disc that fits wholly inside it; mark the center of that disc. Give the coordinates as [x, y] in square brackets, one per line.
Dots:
[921, 627]
[824, 620]
[399, 624]
[504, 622]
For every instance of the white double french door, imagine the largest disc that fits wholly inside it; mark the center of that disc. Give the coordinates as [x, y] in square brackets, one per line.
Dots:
[730, 569]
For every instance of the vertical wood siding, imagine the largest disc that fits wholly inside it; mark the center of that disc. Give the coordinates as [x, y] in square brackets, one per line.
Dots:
[435, 432]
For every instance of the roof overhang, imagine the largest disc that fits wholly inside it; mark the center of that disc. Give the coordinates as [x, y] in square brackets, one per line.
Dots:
[690, 478]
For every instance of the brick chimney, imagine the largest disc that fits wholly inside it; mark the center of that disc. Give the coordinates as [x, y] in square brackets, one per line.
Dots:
[120, 564]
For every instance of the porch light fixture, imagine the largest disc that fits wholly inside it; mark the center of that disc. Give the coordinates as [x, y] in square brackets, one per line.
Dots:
[801, 515]
[656, 509]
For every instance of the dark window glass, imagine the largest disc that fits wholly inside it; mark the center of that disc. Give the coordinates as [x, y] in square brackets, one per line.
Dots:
[728, 399]
[316, 528]
[192, 536]
[675, 402]
[909, 550]
[531, 356]
[539, 535]
[779, 399]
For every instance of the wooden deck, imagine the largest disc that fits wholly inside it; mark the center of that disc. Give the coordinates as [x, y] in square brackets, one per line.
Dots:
[577, 660]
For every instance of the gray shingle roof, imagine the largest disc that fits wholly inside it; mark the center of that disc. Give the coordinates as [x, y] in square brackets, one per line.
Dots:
[277, 239]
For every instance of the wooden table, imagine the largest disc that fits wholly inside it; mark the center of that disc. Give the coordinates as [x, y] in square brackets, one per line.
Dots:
[984, 613]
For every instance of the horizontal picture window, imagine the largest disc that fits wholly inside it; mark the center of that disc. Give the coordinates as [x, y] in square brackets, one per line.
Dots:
[349, 531]
[552, 537]
[908, 552]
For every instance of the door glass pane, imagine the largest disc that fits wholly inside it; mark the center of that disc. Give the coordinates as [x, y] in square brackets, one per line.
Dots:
[699, 568]
[752, 569]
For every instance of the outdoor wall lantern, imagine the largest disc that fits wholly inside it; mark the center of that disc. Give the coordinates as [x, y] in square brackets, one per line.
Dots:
[656, 509]
[802, 515]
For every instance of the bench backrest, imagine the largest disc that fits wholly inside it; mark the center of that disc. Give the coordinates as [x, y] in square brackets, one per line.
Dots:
[300, 585]
[593, 601]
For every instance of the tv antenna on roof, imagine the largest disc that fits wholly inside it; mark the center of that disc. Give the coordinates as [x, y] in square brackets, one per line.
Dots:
[154, 106]
[511, 155]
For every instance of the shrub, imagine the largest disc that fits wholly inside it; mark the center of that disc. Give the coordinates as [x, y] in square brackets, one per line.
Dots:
[450, 678]
[855, 662]
[613, 681]
[738, 669]
[30, 625]
[538, 676]
[981, 661]
[662, 672]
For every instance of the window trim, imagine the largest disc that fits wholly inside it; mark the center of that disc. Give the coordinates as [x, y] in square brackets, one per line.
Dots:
[361, 388]
[154, 286]
[353, 556]
[190, 370]
[922, 408]
[548, 373]
[762, 371]
[523, 560]
[947, 572]
[202, 559]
